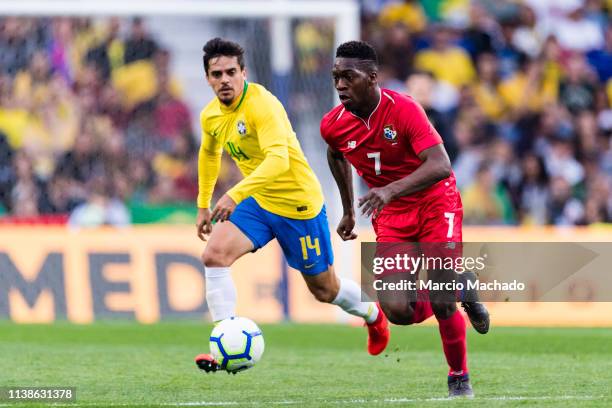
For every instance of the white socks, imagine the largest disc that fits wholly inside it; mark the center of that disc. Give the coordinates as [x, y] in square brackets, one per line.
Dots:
[221, 296]
[220, 293]
[349, 299]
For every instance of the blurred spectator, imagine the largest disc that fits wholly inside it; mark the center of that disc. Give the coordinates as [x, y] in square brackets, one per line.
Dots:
[531, 194]
[446, 61]
[561, 162]
[471, 150]
[108, 54]
[396, 52]
[527, 38]
[529, 89]
[101, 208]
[485, 90]
[577, 89]
[407, 13]
[589, 142]
[508, 55]
[485, 201]
[80, 162]
[139, 45]
[478, 37]
[563, 208]
[7, 174]
[421, 86]
[172, 116]
[601, 59]
[577, 33]
[141, 136]
[28, 191]
[31, 84]
[176, 167]
[17, 43]
[62, 195]
[136, 83]
[141, 180]
[313, 46]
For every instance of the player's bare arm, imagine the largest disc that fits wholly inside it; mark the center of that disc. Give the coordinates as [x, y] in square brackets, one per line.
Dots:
[436, 166]
[341, 170]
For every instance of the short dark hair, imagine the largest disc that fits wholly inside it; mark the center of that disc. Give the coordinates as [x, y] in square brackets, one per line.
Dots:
[357, 49]
[219, 47]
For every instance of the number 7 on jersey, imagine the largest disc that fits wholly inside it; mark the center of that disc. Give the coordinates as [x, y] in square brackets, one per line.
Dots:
[376, 157]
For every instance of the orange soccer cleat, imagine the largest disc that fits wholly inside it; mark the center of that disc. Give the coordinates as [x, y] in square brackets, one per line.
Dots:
[378, 333]
[207, 363]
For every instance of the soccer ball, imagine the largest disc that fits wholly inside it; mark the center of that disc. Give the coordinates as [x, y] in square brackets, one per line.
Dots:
[236, 343]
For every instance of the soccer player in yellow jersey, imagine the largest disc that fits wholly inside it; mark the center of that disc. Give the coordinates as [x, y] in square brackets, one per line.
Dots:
[279, 197]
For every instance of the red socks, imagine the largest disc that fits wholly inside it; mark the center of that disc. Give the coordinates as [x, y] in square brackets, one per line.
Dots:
[452, 331]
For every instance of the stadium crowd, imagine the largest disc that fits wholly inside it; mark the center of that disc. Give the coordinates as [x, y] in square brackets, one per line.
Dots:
[92, 120]
[521, 92]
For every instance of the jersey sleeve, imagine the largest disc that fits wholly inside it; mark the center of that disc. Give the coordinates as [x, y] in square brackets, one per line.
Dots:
[269, 118]
[326, 130]
[209, 163]
[420, 132]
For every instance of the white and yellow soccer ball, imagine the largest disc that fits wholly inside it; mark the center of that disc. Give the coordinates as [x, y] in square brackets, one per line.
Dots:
[236, 343]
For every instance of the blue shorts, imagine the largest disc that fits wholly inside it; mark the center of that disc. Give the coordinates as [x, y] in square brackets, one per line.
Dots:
[305, 243]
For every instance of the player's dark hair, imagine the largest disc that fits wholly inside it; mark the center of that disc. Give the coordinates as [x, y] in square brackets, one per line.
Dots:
[357, 49]
[218, 47]
[360, 50]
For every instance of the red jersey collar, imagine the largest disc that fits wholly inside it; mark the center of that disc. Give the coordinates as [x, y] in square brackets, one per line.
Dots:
[367, 124]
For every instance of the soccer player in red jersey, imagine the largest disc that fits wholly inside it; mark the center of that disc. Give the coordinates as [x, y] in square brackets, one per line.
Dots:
[413, 197]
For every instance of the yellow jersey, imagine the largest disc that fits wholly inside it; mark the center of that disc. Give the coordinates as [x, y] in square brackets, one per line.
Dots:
[255, 131]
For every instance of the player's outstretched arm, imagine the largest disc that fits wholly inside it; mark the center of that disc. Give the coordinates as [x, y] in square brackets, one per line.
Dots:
[341, 171]
[435, 166]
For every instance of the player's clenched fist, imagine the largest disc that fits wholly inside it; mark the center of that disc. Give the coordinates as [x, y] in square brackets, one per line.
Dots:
[345, 228]
[223, 209]
[203, 223]
[375, 199]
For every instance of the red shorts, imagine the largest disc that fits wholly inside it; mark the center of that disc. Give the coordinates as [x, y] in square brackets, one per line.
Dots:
[438, 222]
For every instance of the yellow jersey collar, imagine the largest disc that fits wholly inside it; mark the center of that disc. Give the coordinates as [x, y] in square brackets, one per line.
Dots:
[236, 104]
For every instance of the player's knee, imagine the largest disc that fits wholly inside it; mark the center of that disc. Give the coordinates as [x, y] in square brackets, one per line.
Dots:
[216, 257]
[443, 310]
[398, 313]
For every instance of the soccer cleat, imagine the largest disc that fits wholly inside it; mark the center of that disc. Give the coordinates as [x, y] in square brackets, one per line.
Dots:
[378, 333]
[459, 386]
[478, 315]
[206, 362]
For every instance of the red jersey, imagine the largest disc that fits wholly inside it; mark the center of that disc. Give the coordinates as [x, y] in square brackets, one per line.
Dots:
[384, 147]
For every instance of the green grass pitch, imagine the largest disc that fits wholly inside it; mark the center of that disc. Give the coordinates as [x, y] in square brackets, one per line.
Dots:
[125, 364]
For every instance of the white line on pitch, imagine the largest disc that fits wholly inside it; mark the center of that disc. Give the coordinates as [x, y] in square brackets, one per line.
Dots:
[338, 402]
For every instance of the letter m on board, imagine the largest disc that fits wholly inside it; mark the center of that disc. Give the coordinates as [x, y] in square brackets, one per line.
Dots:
[50, 277]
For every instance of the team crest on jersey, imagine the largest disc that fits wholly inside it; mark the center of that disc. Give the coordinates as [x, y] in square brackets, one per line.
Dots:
[241, 126]
[389, 133]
